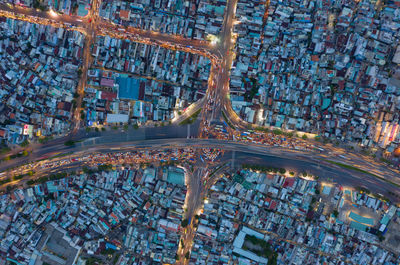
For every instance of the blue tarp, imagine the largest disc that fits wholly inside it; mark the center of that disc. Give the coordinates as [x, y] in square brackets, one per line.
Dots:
[111, 246]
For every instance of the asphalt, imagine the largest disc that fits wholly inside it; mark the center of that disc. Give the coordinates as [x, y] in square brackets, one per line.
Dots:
[244, 153]
[325, 172]
[175, 136]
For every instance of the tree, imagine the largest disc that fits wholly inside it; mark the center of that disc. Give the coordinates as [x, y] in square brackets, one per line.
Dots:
[44, 140]
[184, 223]
[313, 200]
[69, 143]
[5, 150]
[277, 132]
[126, 127]
[187, 255]
[18, 177]
[291, 173]
[79, 72]
[304, 137]
[25, 143]
[135, 126]
[25, 153]
[335, 213]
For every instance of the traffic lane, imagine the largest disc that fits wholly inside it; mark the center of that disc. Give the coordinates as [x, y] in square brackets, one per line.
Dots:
[384, 172]
[279, 153]
[329, 171]
[324, 172]
[73, 20]
[111, 138]
[120, 135]
[375, 168]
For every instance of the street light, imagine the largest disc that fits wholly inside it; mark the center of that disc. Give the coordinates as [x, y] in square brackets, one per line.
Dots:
[53, 13]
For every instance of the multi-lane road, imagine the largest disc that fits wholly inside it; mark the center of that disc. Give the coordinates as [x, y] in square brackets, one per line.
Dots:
[221, 56]
[171, 137]
[174, 136]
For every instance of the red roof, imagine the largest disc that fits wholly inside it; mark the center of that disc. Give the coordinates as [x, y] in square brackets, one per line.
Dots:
[108, 95]
[272, 206]
[124, 14]
[288, 182]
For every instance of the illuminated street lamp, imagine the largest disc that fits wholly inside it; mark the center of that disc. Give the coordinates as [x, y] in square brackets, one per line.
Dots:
[53, 13]
[213, 39]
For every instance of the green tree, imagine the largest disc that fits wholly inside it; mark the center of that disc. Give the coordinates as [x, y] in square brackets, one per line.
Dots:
[335, 213]
[69, 143]
[184, 223]
[25, 143]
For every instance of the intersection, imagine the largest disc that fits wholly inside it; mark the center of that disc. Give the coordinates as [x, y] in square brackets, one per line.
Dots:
[215, 101]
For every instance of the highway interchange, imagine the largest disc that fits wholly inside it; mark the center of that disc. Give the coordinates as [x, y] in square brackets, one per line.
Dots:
[175, 136]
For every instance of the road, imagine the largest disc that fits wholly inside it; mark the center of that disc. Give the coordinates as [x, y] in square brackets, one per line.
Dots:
[153, 139]
[174, 136]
